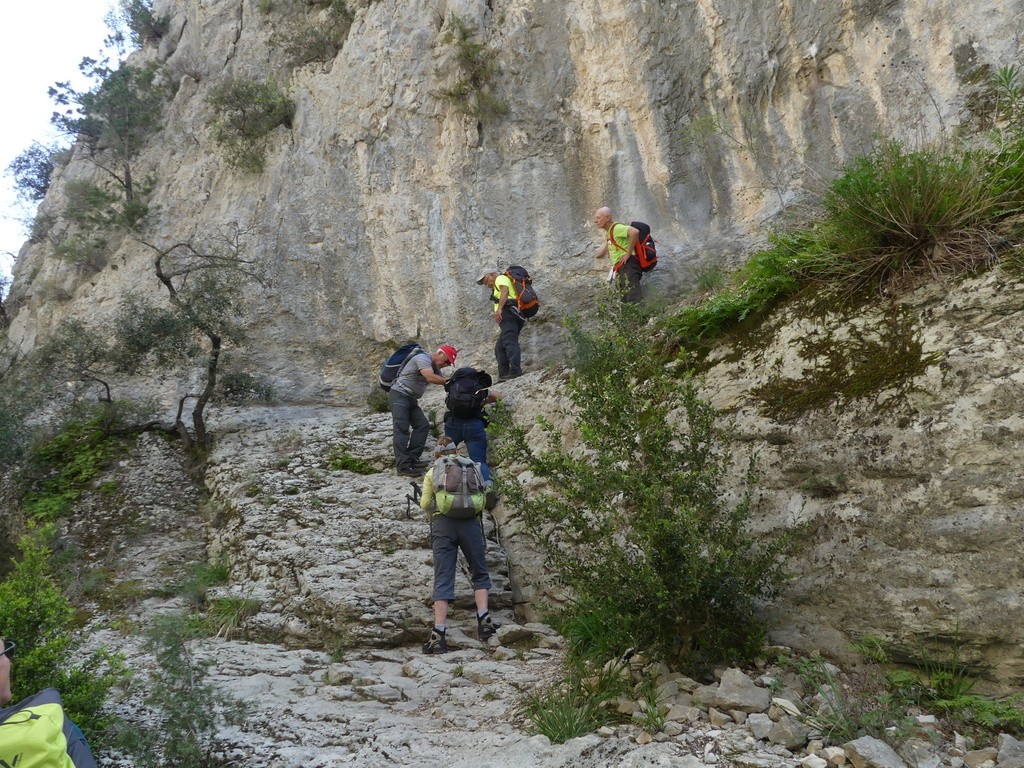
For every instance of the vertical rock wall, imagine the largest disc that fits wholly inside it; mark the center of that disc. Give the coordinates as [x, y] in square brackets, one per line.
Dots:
[382, 201]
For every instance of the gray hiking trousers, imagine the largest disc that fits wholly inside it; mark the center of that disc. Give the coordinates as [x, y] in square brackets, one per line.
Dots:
[447, 537]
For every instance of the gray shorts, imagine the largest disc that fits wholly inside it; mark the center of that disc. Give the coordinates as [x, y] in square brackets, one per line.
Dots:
[447, 537]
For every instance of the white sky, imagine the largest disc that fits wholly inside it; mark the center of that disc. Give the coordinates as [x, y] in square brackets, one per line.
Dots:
[40, 43]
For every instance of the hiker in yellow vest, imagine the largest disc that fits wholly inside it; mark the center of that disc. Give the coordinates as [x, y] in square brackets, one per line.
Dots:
[620, 246]
[510, 322]
[35, 731]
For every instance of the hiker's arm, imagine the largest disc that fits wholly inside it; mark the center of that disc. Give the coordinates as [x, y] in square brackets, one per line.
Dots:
[427, 497]
[602, 251]
[492, 397]
[634, 238]
[433, 378]
[502, 298]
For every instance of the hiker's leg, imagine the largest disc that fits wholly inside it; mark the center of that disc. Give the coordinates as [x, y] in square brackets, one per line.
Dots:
[509, 343]
[500, 356]
[455, 429]
[445, 542]
[420, 431]
[474, 434]
[480, 596]
[401, 406]
[629, 281]
[440, 612]
[471, 541]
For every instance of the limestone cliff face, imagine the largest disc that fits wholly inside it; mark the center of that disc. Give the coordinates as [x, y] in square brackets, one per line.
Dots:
[381, 202]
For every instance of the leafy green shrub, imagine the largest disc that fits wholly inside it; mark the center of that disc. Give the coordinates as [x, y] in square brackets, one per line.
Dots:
[87, 252]
[377, 399]
[476, 70]
[33, 169]
[247, 111]
[36, 614]
[318, 37]
[138, 18]
[63, 465]
[239, 387]
[636, 522]
[339, 459]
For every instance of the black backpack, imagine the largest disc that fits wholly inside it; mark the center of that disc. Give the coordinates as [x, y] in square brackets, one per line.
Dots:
[646, 250]
[467, 389]
[394, 364]
[526, 297]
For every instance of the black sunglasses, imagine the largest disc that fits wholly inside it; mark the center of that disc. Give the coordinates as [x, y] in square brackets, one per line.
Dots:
[8, 650]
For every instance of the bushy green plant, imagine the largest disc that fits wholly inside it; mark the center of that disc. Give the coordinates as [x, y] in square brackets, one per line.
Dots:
[574, 706]
[137, 17]
[636, 521]
[239, 387]
[200, 578]
[36, 614]
[339, 459]
[33, 169]
[246, 112]
[318, 37]
[64, 464]
[897, 212]
[476, 69]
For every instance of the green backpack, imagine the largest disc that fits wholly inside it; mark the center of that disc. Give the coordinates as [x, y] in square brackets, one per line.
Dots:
[458, 487]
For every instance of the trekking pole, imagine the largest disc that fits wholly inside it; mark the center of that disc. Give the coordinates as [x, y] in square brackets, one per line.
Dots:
[410, 499]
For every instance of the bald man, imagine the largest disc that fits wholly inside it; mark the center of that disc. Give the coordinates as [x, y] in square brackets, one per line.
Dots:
[620, 246]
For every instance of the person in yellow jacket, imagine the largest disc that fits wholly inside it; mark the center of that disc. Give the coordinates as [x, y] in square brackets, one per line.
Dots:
[510, 322]
[447, 536]
[620, 246]
[35, 731]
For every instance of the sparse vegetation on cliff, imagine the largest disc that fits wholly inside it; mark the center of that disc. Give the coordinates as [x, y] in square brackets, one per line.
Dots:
[636, 521]
[247, 112]
[475, 72]
[888, 218]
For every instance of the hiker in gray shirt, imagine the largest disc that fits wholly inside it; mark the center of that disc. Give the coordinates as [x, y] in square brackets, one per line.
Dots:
[411, 425]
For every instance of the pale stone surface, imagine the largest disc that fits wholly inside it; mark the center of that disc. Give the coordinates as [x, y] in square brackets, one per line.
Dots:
[869, 752]
[736, 691]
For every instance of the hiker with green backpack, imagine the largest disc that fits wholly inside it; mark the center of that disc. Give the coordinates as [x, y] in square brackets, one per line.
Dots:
[34, 733]
[453, 498]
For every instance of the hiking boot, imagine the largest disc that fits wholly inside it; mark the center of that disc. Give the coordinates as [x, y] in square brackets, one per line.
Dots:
[409, 472]
[486, 626]
[436, 643]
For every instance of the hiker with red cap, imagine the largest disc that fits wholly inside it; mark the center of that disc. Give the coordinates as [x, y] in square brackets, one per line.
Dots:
[411, 426]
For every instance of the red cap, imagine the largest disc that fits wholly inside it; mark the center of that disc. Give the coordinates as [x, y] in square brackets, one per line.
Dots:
[450, 352]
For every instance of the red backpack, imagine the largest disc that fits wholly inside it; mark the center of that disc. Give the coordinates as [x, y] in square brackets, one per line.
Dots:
[646, 250]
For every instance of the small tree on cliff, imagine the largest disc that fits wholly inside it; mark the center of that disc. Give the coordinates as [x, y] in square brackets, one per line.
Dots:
[204, 283]
[113, 120]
